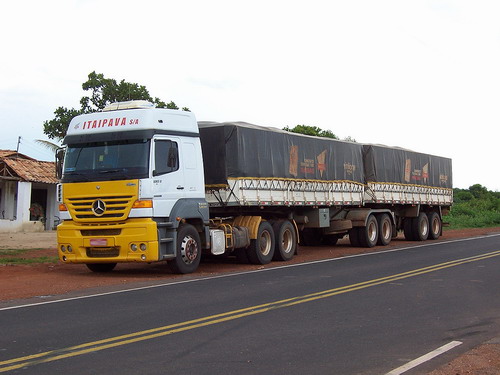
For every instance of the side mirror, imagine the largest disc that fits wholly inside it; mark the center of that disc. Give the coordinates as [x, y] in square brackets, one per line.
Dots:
[59, 162]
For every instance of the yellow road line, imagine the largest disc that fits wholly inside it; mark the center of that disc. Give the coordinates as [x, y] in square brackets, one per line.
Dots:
[153, 333]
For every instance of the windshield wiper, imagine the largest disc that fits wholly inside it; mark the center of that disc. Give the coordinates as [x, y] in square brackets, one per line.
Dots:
[119, 171]
[75, 174]
[112, 171]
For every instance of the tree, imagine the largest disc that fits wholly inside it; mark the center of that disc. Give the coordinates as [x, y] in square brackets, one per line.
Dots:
[315, 131]
[57, 127]
[311, 130]
[479, 191]
[103, 91]
[48, 145]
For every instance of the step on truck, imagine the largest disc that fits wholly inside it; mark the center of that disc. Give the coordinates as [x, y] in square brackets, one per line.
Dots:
[145, 184]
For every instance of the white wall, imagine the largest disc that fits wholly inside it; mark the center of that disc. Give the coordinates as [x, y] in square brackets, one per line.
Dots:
[16, 201]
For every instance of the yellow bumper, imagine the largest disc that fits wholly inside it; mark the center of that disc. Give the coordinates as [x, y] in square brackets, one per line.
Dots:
[135, 240]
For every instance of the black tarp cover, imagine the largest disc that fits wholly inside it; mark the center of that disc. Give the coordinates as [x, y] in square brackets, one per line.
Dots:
[238, 149]
[396, 165]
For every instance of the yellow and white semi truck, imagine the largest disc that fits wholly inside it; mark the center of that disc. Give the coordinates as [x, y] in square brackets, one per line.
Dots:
[144, 184]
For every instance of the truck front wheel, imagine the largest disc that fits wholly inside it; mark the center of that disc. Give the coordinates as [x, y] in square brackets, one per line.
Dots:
[188, 251]
[101, 267]
[261, 250]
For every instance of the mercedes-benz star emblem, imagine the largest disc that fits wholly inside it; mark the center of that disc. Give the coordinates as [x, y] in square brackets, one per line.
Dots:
[98, 207]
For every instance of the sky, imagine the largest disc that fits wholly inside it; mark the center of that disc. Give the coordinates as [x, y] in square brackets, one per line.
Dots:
[423, 74]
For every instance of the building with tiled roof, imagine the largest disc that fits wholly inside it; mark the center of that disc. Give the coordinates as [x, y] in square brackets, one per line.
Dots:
[27, 193]
[13, 154]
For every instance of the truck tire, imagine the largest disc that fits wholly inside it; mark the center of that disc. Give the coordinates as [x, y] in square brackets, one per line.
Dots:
[261, 250]
[188, 250]
[241, 256]
[354, 237]
[420, 227]
[384, 229]
[408, 228]
[394, 231]
[330, 240]
[101, 267]
[435, 225]
[286, 240]
[368, 235]
[311, 237]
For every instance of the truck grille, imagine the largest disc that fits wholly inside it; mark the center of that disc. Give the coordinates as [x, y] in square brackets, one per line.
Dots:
[100, 232]
[102, 207]
[103, 252]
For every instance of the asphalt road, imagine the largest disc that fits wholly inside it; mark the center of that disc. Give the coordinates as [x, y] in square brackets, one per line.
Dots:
[368, 314]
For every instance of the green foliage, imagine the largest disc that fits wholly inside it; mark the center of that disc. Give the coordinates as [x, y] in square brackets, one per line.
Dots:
[475, 207]
[315, 131]
[17, 260]
[102, 91]
[311, 130]
[57, 127]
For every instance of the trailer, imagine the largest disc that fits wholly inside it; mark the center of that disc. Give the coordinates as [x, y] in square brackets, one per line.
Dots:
[143, 184]
[367, 191]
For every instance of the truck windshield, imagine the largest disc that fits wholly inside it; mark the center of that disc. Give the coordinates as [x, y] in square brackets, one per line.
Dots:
[113, 160]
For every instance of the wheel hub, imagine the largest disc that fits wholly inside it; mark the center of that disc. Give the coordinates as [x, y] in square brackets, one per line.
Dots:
[189, 250]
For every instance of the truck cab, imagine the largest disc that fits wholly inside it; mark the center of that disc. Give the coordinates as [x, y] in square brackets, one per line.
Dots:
[131, 177]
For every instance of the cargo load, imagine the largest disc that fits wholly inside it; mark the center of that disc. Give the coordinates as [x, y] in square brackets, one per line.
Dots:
[234, 150]
[384, 164]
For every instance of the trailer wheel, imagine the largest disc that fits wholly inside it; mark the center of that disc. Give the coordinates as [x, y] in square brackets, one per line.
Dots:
[384, 230]
[261, 250]
[435, 225]
[368, 235]
[101, 267]
[330, 240]
[420, 227]
[286, 240]
[354, 237]
[188, 251]
[394, 231]
[241, 255]
[408, 228]
[311, 237]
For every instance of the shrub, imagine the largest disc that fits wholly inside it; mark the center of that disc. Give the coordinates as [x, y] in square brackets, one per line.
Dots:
[475, 208]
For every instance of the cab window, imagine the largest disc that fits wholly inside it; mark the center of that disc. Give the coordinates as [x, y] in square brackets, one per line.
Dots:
[166, 157]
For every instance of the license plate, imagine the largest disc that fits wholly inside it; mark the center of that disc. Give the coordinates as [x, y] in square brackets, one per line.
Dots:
[98, 242]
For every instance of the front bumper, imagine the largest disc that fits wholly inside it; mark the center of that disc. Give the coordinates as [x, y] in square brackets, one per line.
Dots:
[110, 243]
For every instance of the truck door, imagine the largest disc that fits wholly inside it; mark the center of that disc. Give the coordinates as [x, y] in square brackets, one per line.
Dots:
[168, 175]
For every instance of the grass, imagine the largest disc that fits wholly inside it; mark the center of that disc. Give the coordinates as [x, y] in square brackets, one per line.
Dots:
[45, 259]
[14, 256]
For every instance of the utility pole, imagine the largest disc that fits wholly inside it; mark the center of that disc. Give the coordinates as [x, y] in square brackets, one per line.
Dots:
[18, 142]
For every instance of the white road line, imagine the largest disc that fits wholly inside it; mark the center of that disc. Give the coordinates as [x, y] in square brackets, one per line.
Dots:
[397, 249]
[424, 358]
